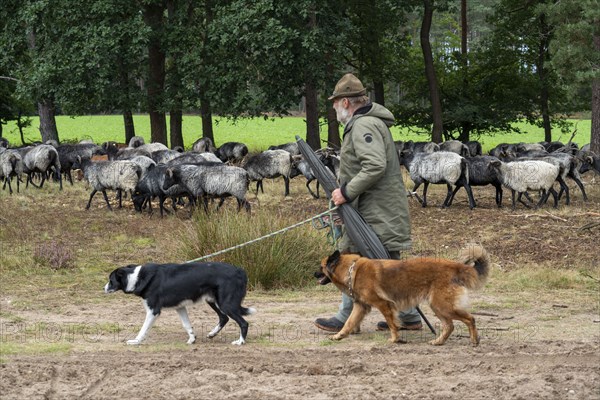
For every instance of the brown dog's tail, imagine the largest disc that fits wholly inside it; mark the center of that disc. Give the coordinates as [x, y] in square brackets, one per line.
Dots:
[477, 257]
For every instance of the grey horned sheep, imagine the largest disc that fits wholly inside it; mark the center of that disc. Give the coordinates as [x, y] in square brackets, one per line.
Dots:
[270, 164]
[41, 159]
[120, 175]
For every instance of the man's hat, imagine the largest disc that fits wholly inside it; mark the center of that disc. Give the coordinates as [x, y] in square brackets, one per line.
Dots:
[348, 86]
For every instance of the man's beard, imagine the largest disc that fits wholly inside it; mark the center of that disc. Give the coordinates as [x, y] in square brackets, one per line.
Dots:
[342, 114]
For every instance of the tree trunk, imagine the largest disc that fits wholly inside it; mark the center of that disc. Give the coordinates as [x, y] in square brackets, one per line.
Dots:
[176, 127]
[434, 93]
[543, 77]
[46, 110]
[379, 90]
[129, 126]
[153, 17]
[206, 116]
[333, 129]
[313, 138]
[595, 134]
[465, 132]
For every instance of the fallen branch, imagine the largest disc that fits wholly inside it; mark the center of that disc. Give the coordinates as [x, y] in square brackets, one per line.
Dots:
[486, 314]
[589, 276]
[559, 306]
[588, 226]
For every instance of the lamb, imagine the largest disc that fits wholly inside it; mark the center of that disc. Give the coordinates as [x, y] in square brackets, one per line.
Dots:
[232, 152]
[270, 164]
[521, 176]
[41, 159]
[439, 167]
[116, 175]
[481, 173]
[455, 146]
[68, 153]
[210, 180]
[11, 164]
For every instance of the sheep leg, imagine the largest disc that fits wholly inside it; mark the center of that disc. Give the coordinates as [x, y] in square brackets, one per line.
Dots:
[554, 195]
[449, 201]
[106, 199]
[499, 196]
[221, 201]
[580, 184]
[448, 195]
[161, 205]
[316, 196]
[514, 204]
[424, 204]
[7, 180]
[472, 203]
[68, 174]
[563, 188]
[414, 191]
[90, 200]
[520, 199]
[259, 185]
[286, 181]
[42, 182]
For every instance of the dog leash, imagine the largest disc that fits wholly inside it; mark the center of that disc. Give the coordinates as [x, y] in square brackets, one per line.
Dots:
[320, 217]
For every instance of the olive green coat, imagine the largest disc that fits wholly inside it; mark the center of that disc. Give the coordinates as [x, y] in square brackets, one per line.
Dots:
[371, 179]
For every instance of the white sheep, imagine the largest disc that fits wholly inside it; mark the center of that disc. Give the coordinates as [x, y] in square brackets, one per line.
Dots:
[521, 176]
[41, 159]
[11, 164]
[116, 175]
[438, 167]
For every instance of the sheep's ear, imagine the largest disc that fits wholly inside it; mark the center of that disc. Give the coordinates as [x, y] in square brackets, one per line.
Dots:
[589, 159]
[169, 172]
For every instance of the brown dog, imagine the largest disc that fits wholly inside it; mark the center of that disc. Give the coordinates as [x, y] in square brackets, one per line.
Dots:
[395, 285]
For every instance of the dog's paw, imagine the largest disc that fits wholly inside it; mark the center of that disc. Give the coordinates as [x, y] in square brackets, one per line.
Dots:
[397, 340]
[192, 340]
[238, 342]
[337, 336]
[436, 342]
[134, 342]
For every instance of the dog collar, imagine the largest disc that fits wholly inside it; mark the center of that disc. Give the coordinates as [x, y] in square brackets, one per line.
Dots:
[349, 281]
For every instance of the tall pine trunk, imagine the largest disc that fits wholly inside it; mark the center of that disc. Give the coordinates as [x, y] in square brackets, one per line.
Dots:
[47, 112]
[312, 116]
[153, 16]
[176, 127]
[595, 134]
[543, 77]
[434, 91]
[129, 126]
[333, 128]
[206, 116]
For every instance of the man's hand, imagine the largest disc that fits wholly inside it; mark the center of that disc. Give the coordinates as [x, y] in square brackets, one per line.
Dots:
[337, 197]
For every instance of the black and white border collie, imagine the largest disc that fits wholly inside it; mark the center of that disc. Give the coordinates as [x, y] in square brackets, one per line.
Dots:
[221, 285]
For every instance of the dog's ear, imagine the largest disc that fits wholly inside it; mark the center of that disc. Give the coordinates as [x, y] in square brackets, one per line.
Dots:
[332, 261]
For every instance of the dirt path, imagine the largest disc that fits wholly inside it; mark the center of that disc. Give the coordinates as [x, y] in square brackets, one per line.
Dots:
[286, 357]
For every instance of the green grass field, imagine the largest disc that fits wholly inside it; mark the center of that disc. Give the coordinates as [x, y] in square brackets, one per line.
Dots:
[257, 133]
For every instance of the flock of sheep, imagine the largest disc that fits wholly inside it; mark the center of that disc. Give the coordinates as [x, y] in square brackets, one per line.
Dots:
[152, 171]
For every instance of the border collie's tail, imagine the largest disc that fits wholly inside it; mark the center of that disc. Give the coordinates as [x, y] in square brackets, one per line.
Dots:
[477, 257]
[248, 311]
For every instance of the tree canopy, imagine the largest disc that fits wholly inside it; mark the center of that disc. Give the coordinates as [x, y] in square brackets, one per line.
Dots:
[502, 62]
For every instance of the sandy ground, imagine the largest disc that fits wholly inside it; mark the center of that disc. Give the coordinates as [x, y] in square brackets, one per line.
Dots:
[550, 353]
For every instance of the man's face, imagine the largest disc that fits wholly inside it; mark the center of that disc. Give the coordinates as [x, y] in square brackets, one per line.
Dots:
[341, 110]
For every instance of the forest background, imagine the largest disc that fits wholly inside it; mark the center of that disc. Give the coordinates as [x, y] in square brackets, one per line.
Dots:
[448, 69]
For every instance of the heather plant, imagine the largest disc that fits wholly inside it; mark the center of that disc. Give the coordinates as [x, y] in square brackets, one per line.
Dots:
[54, 255]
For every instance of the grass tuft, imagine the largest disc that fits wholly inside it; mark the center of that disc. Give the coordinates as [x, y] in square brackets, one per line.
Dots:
[286, 260]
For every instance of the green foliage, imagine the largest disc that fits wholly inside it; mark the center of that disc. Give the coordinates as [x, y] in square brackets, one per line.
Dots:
[283, 261]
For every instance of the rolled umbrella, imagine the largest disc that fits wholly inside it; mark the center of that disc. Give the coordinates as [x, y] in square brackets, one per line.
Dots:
[360, 232]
